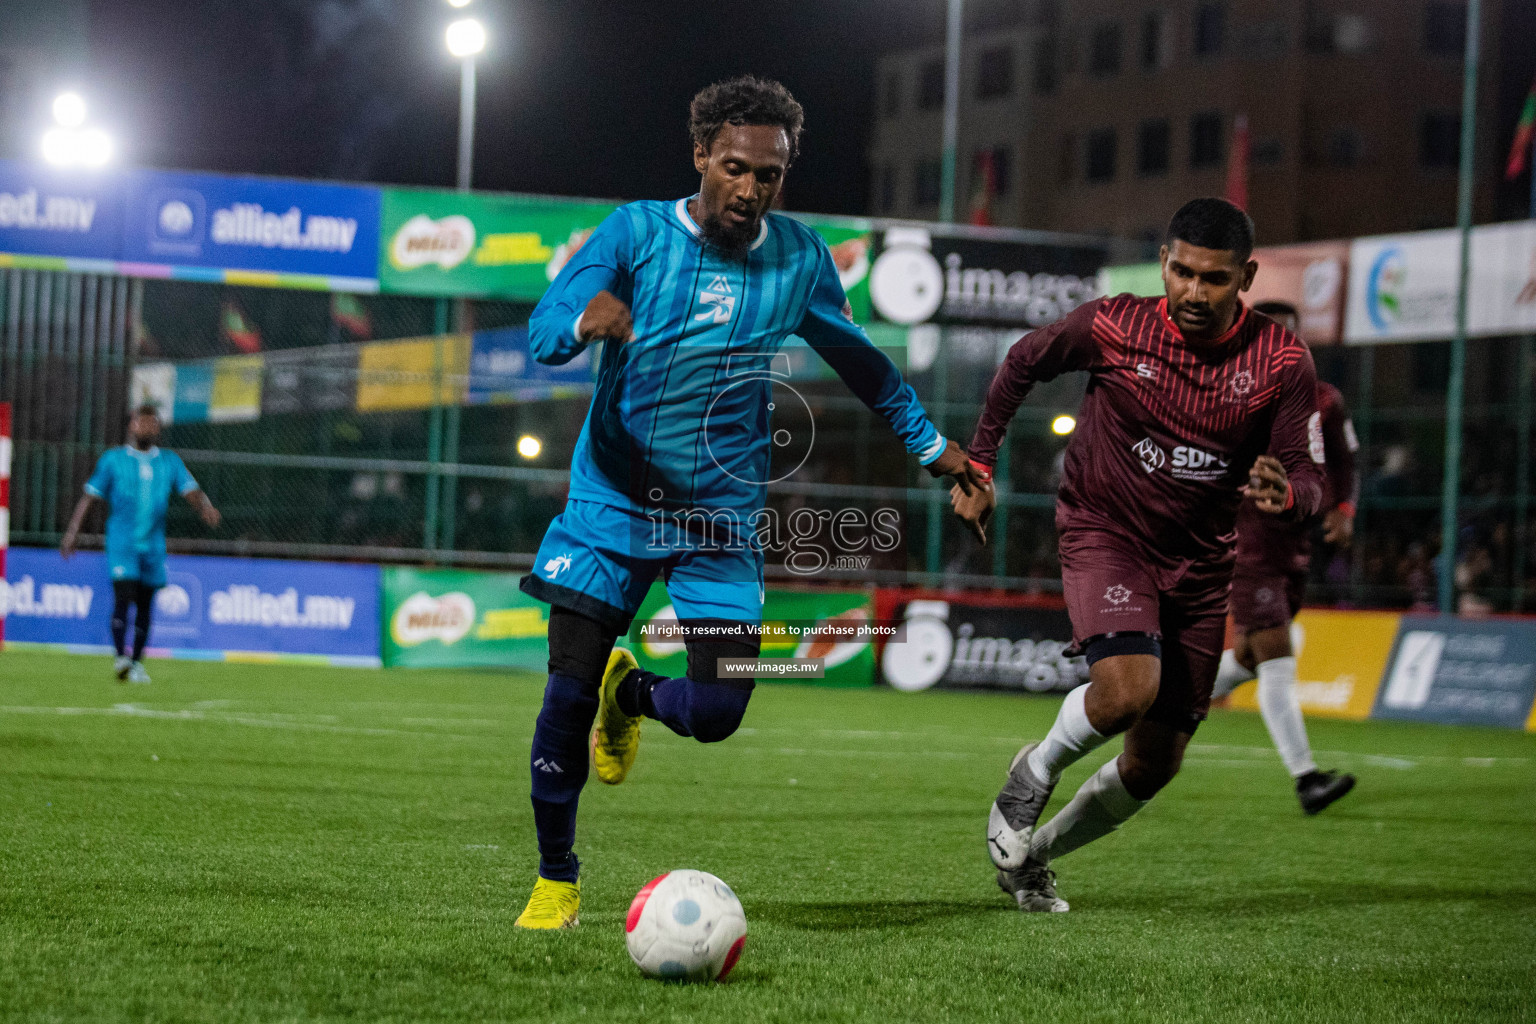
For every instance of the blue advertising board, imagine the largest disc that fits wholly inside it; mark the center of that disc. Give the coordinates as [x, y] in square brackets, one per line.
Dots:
[44, 212]
[502, 369]
[210, 608]
[261, 224]
[1460, 671]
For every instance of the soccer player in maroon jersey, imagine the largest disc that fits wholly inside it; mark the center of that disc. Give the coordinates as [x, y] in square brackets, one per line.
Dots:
[1186, 395]
[1269, 581]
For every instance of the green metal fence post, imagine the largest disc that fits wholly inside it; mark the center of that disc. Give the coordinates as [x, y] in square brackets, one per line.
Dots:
[450, 518]
[935, 558]
[1451, 486]
[435, 429]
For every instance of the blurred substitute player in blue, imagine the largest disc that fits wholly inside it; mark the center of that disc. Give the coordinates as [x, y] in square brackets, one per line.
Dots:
[694, 298]
[136, 482]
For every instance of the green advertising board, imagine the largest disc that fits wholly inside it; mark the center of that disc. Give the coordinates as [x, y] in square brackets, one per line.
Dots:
[447, 618]
[852, 242]
[437, 242]
[1137, 278]
[791, 621]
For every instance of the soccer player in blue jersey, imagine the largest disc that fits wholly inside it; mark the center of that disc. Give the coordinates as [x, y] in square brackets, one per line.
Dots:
[693, 298]
[136, 482]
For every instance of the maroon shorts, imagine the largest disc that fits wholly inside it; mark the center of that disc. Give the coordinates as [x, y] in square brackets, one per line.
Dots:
[1112, 587]
[1267, 591]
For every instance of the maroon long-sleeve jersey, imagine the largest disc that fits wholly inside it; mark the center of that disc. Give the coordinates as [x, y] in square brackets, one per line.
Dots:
[1269, 540]
[1167, 432]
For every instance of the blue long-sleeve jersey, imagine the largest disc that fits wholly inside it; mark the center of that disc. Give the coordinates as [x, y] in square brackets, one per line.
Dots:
[680, 415]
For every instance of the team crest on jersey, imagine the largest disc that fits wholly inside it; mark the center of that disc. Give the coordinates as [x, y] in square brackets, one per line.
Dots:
[1238, 386]
[1152, 457]
[720, 300]
[1118, 594]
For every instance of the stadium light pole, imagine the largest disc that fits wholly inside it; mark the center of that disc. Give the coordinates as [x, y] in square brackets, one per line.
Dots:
[954, 24]
[466, 39]
[1451, 485]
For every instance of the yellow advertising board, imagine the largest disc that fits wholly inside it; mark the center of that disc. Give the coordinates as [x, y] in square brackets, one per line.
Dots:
[400, 374]
[1343, 657]
[236, 395]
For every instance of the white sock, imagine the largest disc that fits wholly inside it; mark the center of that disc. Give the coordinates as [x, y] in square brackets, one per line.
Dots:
[1097, 809]
[1298, 638]
[1069, 739]
[1282, 715]
[1230, 674]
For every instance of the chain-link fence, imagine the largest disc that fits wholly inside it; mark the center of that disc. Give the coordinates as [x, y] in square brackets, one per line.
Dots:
[317, 477]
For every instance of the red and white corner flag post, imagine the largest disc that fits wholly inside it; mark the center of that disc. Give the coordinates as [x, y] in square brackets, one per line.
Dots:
[5, 497]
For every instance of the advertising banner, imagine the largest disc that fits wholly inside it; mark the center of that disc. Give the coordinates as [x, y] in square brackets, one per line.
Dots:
[210, 608]
[310, 380]
[1310, 279]
[256, 224]
[922, 276]
[1343, 657]
[437, 242]
[52, 213]
[502, 369]
[400, 374]
[1503, 289]
[446, 618]
[1402, 287]
[1461, 671]
[792, 623]
[1145, 279]
[998, 646]
[852, 242]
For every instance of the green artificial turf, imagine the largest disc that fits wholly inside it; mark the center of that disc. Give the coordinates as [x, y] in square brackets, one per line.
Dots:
[272, 843]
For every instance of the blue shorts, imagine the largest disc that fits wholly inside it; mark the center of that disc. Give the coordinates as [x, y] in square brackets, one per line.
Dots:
[600, 561]
[148, 567]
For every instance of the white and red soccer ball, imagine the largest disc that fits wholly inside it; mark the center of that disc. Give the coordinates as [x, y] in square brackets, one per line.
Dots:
[685, 926]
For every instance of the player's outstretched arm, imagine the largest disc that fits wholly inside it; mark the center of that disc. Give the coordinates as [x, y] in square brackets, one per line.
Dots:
[210, 516]
[574, 312]
[1339, 447]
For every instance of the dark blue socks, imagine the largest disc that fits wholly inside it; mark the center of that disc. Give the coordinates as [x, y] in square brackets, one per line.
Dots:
[709, 712]
[559, 761]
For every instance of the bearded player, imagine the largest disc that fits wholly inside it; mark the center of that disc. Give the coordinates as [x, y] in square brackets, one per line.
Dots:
[1186, 394]
[694, 298]
[1269, 582]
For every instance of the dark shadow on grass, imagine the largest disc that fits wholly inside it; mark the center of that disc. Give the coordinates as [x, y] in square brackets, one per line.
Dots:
[873, 914]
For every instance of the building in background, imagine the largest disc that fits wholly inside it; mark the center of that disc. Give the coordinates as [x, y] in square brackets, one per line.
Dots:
[1104, 115]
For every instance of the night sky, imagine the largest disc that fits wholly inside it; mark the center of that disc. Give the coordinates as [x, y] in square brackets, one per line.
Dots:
[577, 97]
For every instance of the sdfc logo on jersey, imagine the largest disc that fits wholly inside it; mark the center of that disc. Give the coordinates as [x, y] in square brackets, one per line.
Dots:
[722, 300]
[1152, 457]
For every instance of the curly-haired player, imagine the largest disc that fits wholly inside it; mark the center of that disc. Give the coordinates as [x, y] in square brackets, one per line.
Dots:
[694, 298]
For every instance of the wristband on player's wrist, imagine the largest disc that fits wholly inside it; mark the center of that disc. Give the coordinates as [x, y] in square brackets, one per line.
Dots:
[1290, 497]
[982, 468]
[1347, 508]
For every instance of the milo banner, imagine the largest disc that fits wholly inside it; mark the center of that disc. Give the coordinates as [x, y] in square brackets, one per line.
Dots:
[457, 243]
[809, 624]
[446, 618]
[1002, 645]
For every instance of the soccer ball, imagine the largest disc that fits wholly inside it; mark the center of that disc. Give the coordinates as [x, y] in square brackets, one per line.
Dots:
[685, 926]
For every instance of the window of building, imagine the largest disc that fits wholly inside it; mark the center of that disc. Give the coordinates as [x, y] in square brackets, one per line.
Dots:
[994, 73]
[927, 183]
[1104, 51]
[887, 193]
[1066, 154]
[1046, 70]
[1152, 147]
[1445, 28]
[1439, 140]
[1153, 36]
[1340, 33]
[1002, 169]
[930, 85]
[1263, 40]
[1210, 29]
[1344, 147]
[1099, 155]
[1268, 152]
[891, 102]
[1205, 140]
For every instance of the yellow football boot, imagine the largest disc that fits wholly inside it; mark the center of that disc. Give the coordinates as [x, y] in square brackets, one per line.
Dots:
[552, 905]
[616, 736]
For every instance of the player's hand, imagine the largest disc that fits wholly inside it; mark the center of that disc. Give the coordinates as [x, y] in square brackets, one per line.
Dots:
[955, 464]
[975, 508]
[1338, 528]
[67, 546]
[606, 317]
[211, 516]
[1268, 486]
